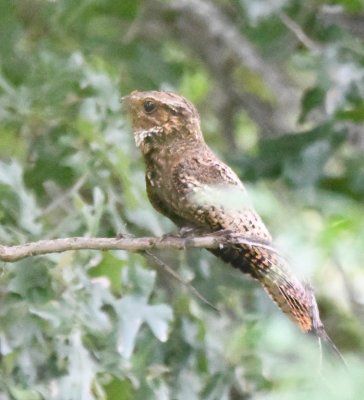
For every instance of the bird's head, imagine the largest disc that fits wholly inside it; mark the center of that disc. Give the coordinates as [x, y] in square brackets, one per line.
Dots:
[160, 118]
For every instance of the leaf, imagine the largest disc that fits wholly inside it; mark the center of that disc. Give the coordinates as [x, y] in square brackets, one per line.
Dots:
[276, 156]
[355, 114]
[309, 167]
[119, 389]
[130, 310]
[12, 175]
[313, 97]
[77, 384]
[158, 318]
[23, 394]
[140, 279]
[133, 310]
[31, 280]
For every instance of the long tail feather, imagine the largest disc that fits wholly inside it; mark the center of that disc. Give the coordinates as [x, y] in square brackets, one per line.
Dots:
[294, 298]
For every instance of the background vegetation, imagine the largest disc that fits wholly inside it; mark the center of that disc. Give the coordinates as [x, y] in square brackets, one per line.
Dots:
[280, 87]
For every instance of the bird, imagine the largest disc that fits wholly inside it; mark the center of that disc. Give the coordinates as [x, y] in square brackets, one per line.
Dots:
[190, 185]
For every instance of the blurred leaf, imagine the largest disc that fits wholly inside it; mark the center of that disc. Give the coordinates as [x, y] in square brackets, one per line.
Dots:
[31, 280]
[300, 158]
[109, 267]
[77, 384]
[21, 394]
[312, 98]
[25, 206]
[355, 114]
[119, 389]
[133, 311]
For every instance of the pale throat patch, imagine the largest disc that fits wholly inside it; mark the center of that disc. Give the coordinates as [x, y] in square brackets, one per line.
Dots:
[142, 134]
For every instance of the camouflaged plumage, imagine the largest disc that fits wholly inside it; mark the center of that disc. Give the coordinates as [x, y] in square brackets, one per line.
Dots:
[187, 183]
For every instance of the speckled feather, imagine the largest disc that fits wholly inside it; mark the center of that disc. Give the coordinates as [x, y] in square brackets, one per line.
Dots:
[187, 183]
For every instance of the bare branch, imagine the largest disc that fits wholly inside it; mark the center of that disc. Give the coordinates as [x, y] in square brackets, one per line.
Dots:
[166, 268]
[298, 32]
[18, 252]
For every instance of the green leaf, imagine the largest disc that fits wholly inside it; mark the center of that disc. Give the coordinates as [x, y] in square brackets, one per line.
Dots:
[12, 175]
[313, 97]
[133, 310]
[77, 383]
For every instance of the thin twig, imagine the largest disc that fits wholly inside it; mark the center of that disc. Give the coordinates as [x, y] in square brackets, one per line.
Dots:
[18, 252]
[60, 200]
[298, 32]
[166, 268]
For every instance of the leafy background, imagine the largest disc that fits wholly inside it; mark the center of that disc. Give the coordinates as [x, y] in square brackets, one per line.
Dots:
[279, 86]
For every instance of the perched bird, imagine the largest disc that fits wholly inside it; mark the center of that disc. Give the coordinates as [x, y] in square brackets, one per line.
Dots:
[189, 184]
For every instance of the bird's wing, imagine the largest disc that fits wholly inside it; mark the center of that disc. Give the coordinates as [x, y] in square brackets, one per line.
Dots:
[211, 195]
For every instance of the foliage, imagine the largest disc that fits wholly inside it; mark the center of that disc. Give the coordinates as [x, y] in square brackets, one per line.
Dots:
[92, 325]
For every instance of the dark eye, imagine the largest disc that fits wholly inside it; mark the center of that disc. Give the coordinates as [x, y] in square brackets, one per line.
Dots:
[149, 106]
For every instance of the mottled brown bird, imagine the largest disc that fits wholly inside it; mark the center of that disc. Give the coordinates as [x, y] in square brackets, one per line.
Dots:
[187, 183]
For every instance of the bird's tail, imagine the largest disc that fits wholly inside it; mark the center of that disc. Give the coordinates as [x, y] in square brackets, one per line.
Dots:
[318, 327]
[271, 271]
[294, 298]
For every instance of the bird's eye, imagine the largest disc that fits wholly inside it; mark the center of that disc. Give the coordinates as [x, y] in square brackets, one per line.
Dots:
[149, 106]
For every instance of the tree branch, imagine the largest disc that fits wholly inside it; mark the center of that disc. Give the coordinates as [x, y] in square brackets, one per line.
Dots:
[18, 252]
[166, 268]
[298, 32]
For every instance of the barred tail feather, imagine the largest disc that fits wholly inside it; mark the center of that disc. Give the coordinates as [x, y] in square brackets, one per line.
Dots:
[295, 299]
[270, 269]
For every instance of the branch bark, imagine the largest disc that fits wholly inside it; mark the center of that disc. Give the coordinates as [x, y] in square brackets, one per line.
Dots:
[42, 247]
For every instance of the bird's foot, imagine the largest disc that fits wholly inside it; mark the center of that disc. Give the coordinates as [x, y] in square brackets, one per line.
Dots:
[187, 232]
[174, 234]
